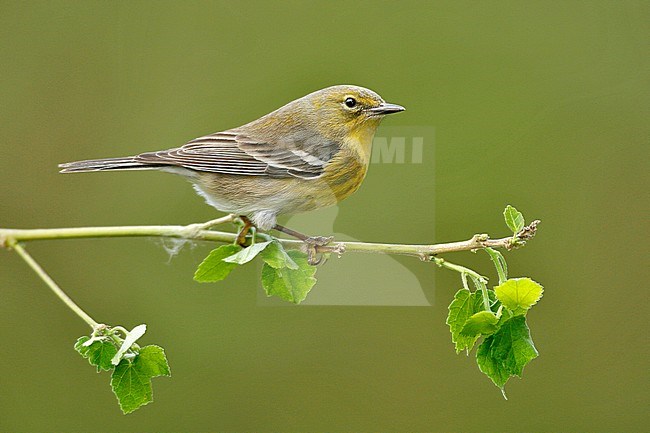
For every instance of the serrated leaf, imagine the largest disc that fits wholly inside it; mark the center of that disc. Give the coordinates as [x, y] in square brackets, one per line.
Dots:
[131, 380]
[464, 305]
[514, 219]
[79, 346]
[292, 285]
[131, 387]
[481, 323]
[213, 268]
[152, 361]
[506, 352]
[247, 254]
[519, 294]
[99, 353]
[275, 256]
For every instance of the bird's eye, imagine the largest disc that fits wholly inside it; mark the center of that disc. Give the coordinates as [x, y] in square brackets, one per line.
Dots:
[350, 102]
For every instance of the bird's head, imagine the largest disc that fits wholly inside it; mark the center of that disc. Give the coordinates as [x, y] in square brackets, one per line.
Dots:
[338, 113]
[346, 110]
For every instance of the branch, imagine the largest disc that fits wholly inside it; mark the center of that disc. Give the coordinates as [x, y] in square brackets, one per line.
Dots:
[53, 286]
[290, 276]
[201, 232]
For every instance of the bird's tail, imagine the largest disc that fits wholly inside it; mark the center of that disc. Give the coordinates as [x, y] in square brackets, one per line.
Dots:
[126, 163]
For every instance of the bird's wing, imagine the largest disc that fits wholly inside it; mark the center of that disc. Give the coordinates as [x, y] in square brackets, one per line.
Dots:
[234, 152]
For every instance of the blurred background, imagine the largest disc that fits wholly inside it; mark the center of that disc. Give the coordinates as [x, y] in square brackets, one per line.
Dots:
[543, 105]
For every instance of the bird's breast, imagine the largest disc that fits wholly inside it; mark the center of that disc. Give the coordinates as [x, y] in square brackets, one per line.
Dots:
[345, 173]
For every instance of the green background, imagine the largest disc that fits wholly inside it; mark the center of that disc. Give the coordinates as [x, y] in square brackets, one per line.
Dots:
[543, 105]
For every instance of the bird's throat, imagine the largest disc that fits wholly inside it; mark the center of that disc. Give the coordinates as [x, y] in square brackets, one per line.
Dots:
[360, 140]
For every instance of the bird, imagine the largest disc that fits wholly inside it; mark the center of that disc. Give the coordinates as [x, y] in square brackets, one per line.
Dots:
[310, 153]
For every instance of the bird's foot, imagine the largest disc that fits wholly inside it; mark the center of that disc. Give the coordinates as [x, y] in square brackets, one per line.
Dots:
[318, 248]
[246, 227]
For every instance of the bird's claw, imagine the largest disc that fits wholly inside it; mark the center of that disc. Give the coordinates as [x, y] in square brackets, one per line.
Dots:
[312, 243]
[246, 227]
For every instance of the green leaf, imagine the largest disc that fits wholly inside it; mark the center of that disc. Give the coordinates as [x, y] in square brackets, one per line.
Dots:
[131, 387]
[506, 352]
[519, 294]
[292, 285]
[514, 219]
[99, 353]
[275, 256]
[481, 323]
[464, 306]
[214, 268]
[80, 347]
[131, 380]
[247, 254]
[152, 360]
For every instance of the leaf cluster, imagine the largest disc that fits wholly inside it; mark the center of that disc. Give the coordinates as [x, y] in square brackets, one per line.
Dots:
[285, 274]
[498, 316]
[133, 366]
[507, 346]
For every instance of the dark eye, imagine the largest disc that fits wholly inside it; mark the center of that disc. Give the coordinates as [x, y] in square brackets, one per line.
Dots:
[350, 102]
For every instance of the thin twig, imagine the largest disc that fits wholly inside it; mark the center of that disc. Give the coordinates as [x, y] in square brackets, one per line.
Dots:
[52, 285]
[10, 238]
[199, 233]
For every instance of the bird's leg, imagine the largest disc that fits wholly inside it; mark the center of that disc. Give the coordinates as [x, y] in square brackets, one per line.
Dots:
[311, 242]
[243, 231]
[318, 241]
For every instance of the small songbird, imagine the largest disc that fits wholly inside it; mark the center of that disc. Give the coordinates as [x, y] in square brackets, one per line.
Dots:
[311, 153]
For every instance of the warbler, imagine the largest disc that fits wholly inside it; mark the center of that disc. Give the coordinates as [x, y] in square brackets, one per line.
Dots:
[311, 153]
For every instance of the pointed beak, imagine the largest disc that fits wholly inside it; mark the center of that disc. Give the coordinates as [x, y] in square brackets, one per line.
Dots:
[386, 108]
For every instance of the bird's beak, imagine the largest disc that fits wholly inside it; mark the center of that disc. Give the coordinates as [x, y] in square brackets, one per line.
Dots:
[386, 108]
